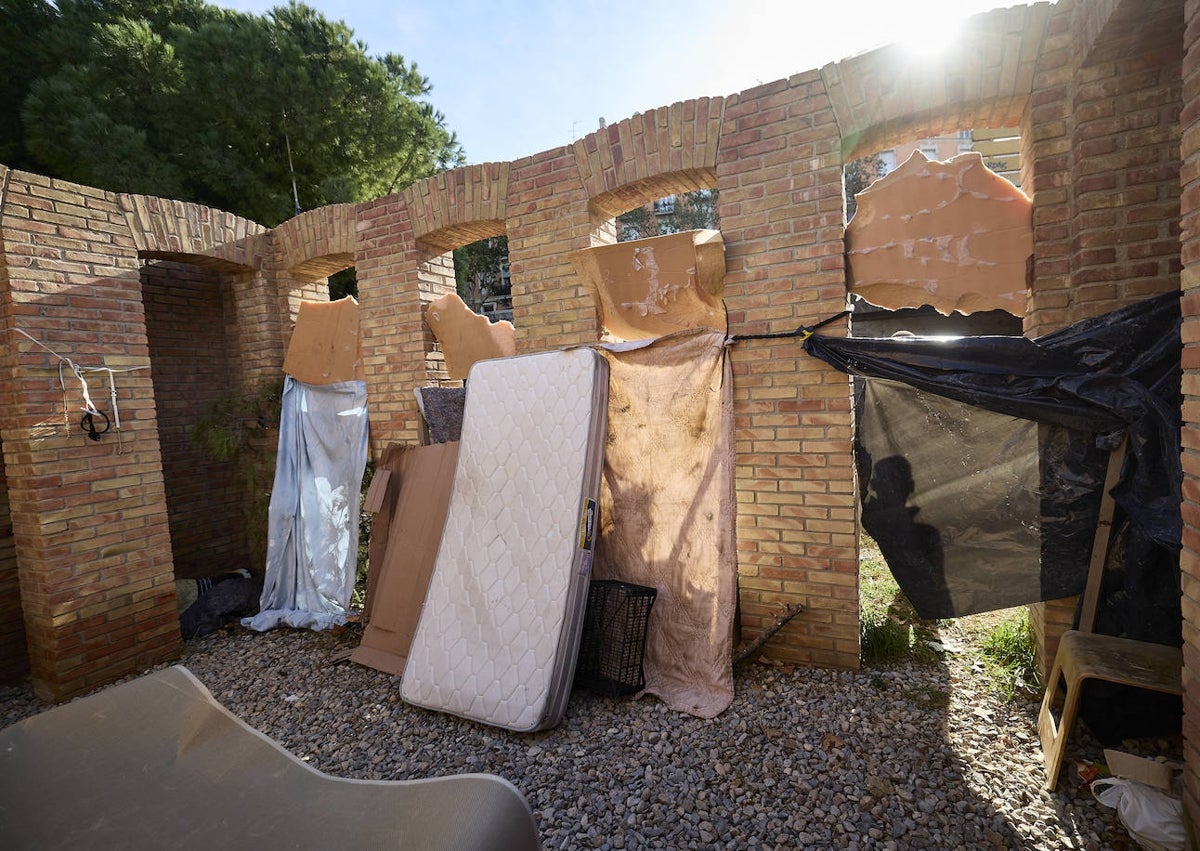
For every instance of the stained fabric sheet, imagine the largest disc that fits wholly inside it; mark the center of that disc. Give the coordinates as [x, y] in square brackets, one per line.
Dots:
[312, 523]
[667, 509]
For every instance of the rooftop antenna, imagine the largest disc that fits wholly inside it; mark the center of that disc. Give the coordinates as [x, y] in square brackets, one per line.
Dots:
[291, 169]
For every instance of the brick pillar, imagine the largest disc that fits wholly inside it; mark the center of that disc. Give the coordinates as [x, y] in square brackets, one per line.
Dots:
[89, 517]
[779, 169]
[390, 266]
[548, 218]
[1190, 284]
[1103, 150]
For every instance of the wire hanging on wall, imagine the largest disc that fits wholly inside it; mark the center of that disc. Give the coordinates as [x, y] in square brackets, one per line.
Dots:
[94, 422]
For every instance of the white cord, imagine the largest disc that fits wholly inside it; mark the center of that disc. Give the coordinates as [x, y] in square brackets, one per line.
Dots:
[79, 371]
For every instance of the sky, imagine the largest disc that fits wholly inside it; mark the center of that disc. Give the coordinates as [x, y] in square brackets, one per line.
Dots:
[517, 77]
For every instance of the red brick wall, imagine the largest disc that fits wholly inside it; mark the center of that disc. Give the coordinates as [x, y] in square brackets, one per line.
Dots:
[1190, 284]
[89, 517]
[192, 370]
[14, 658]
[1103, 154]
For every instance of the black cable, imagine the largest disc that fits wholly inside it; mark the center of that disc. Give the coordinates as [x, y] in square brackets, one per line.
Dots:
[88, 424]
[802, 331]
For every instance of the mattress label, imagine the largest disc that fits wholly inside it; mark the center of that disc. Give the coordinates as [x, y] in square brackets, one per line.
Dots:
[587, 526]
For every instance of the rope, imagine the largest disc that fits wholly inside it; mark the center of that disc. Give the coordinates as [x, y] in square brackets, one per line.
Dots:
[803, 332]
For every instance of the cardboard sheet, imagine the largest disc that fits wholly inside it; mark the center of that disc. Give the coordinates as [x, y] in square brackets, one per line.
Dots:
[157, 762]
[324, 348]
[954, 235]
[655, 286]
[466, 336]
[419, 479]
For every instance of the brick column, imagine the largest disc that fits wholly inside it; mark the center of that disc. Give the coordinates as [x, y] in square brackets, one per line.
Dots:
[779, 170]
[548, 218]
[89, 517]
[1103, 150]
[1190, 284]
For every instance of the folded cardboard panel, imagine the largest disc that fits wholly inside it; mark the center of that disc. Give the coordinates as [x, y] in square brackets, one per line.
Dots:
[421, 477]
[324, 345]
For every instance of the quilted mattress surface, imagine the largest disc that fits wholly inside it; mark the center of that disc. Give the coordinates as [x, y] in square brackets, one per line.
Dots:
[499, 632]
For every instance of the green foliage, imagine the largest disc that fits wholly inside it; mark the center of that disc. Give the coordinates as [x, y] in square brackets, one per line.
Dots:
[890, 630]
[477, 270]
[242, 429]
[342, 284]
[191, 101]
[857, 176]
[696, 210]
[1010, 656]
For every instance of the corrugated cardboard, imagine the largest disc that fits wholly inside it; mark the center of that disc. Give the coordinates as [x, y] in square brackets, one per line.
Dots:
[421, 478]
[1139, 768]
[324, 346]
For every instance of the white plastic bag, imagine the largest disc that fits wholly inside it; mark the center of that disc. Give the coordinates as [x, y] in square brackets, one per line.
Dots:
[1153, 818]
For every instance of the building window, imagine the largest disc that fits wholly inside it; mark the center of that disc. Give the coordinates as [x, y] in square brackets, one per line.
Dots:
[665, 206]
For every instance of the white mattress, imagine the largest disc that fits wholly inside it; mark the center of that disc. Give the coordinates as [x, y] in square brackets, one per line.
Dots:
[499, 632]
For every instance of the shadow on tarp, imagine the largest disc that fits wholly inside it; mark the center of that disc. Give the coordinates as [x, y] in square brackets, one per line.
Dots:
[981, 462]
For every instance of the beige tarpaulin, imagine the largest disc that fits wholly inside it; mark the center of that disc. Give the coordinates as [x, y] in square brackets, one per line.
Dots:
[668, 510]
[157, 762]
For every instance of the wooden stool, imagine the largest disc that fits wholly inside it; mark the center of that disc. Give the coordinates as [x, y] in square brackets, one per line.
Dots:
[1084, 655]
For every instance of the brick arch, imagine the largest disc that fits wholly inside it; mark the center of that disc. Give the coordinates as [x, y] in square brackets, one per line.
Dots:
[625, 198]
[682, 139]
[169, 230]
[885, 96]
[316, 243]
[460, 206]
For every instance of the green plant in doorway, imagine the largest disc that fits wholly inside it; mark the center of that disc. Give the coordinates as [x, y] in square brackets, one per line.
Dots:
[1009, 651]
[242, 428]
[890, 630]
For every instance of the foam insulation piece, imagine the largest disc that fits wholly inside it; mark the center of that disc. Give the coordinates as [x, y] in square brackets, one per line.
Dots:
[157, 762]
[466, 336]
[324, 346]
[954, 235]
[652, 287]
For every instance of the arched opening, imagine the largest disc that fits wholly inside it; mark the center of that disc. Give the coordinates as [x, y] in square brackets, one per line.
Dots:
[194, 373]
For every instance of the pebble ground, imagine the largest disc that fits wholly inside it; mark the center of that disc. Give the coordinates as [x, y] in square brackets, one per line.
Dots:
[913, 756]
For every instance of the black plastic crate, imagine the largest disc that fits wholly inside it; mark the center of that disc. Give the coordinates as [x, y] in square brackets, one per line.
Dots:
[614, 637]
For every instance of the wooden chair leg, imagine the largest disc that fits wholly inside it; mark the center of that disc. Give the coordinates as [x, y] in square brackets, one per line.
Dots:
[1053, 734]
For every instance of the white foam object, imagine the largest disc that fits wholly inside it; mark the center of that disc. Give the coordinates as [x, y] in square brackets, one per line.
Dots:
[499, 632]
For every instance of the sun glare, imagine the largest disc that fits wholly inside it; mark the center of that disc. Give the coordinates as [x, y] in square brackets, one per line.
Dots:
[932, 38]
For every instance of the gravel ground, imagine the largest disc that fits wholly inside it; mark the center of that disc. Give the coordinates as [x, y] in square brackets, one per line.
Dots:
[905, 757]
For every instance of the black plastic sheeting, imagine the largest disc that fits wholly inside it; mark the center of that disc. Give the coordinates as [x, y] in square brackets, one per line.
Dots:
[947, 490]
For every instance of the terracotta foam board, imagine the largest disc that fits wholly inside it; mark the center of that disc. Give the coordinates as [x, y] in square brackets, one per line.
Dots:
[466, 336]
[954, 235]
[651, 287]
[324, 346]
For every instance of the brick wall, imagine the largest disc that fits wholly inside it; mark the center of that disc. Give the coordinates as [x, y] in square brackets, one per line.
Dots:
[1103, 162]
[1100, 102]
[1190, 284]
[779, 176]
[14, 658]
[89, 517]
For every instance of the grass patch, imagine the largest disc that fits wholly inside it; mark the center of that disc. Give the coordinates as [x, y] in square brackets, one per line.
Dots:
[1009, 653]
[890, 629]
